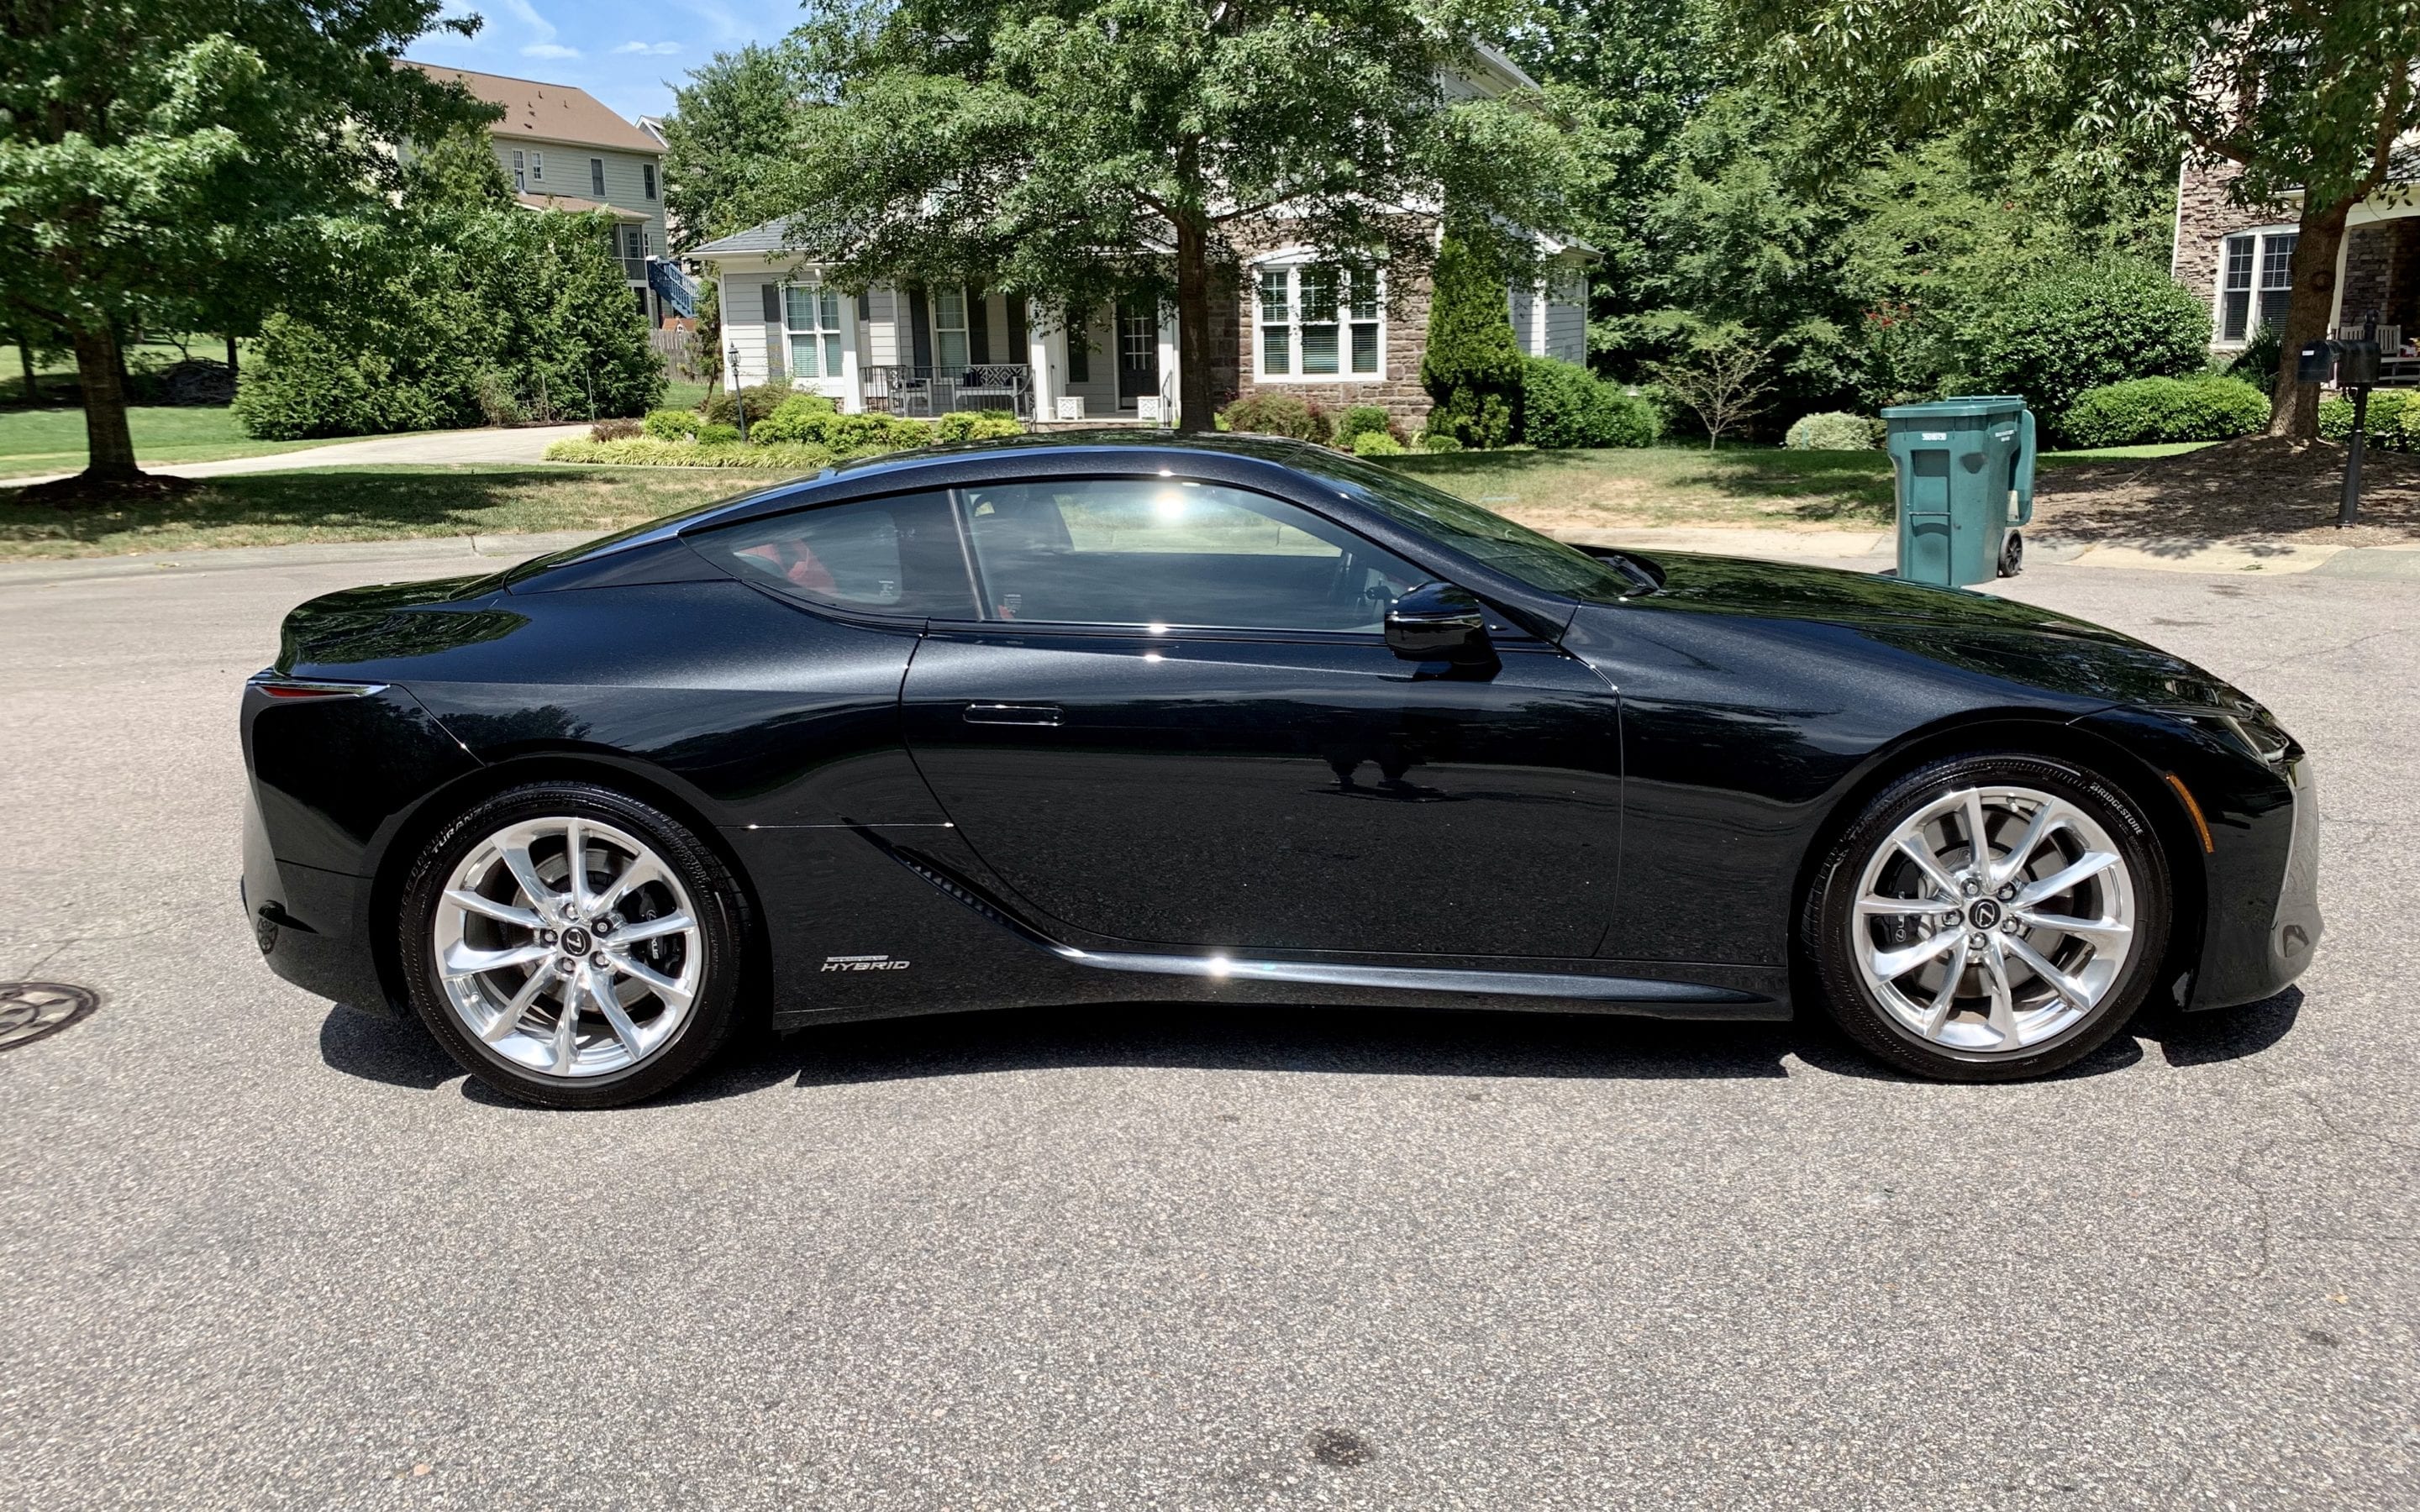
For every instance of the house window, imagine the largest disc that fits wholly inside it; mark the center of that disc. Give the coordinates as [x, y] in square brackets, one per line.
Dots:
[2256, 282]
[1320, 322]
[647, 178]
[596, 176]
[521, 170]
[811, 314]
[950, 327]
[634, 242]
[537, 167]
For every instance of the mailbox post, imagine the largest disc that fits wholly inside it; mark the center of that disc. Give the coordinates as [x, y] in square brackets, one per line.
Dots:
[2357, 370]
[731, 383]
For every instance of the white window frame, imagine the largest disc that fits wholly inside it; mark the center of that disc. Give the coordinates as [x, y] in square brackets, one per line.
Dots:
[596, 176]
[520, 171]
[647, 178]
[537, 167]
[2260, 237]
[943, 330]
[1350, 303]
[822, 301]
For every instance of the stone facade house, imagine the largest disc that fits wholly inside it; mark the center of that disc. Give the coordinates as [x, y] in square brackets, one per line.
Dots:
[1293, 326]
[2241, 261]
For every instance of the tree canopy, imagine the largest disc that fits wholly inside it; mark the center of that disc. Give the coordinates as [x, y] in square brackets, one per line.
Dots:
[728, 126]
[1100, 149]
[168, 165]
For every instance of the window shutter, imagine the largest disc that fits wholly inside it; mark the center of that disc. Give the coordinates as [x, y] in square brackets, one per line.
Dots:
[978, 326]
[1020, 336]
[865, 304]
[772, 303]
[920, 324]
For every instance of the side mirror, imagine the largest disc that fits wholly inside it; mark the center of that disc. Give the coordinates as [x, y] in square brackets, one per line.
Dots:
[1439, 622]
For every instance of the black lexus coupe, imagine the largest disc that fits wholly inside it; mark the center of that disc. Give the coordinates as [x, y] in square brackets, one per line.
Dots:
[1239, 719]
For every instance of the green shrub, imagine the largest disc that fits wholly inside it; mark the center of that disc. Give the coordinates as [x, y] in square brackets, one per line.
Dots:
[616, 430]
[304, 381]
[2079, 325]
[760, 402]
[2143, 411]
[1279, 414]
[800, 417]
[2256, 363]
[673, 424]
[2393, 420]
[1435, 440]
[1376, 443]
[716, 434]
[1832, 430]
[652, 451]
[1564, 403]
[977, 425]
[1472, 367]
[1363, 420]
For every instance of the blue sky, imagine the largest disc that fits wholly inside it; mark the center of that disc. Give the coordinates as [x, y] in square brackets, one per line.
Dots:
[626, 53]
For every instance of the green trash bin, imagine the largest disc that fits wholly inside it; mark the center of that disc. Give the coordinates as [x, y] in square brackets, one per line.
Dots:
[1966, 470]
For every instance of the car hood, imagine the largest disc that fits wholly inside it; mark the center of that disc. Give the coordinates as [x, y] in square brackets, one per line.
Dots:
[1976, 633]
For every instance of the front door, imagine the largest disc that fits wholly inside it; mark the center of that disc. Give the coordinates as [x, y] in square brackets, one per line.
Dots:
[1138, 350]
[1180, 726]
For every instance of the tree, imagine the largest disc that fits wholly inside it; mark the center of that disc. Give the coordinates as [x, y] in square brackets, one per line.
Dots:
[1722, 377]
[1085, 151]
[1472, 364]
[2310, 99]
[180, 165]
[459, 169]
[725, 137]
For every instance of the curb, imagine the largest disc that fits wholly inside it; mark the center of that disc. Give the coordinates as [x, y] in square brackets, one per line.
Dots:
[470, 549]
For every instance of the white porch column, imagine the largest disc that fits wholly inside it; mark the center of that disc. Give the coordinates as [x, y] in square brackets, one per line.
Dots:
[852, 393]
[1171, 355]
[2336, 296]
[1046, 353]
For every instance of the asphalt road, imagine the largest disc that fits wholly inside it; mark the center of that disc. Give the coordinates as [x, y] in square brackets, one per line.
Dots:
[260, 1253]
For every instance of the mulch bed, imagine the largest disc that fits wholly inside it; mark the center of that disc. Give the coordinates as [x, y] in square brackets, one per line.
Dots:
[2256, 488]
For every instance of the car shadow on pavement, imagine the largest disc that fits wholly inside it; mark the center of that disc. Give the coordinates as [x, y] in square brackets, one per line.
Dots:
[1351, 1042]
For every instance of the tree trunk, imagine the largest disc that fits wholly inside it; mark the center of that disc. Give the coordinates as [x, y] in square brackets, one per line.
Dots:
[232, 371]
[1192, 325]
[2295, 410]
[110, 444]
[25, 360]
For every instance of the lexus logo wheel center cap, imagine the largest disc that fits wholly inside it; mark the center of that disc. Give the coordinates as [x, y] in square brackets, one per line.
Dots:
[1983, 913]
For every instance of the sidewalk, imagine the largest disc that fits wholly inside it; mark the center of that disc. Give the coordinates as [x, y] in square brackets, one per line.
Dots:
[1874, 550]
[1859, 550]
[517, 445]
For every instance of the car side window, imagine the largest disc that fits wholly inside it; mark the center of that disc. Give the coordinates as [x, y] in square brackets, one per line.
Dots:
[898, 555]
[1173, 551]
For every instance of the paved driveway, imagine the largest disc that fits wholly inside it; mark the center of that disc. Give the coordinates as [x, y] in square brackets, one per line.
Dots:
[517, 444]
[261, 1253]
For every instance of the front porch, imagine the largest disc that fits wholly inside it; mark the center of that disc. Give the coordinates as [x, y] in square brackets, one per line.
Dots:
[2378, 274]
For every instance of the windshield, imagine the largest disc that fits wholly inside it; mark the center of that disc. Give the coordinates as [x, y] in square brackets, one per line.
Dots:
[1481, 534]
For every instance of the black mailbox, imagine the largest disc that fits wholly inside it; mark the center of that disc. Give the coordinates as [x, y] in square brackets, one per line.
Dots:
[2316, 362]
[2356, 365]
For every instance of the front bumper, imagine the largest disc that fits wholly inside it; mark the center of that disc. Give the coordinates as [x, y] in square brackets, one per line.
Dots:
[2262, 934]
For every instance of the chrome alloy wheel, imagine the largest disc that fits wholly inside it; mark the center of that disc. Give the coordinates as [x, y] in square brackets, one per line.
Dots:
[1993, 918]
[568, 947]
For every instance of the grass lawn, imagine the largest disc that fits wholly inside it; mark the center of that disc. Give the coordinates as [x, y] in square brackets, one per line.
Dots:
[1738, 485]
[679, 396]
[365, 504]
[37, 441]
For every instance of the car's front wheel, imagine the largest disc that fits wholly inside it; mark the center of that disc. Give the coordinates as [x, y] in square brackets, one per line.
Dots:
[573, 946]
[1990, 917]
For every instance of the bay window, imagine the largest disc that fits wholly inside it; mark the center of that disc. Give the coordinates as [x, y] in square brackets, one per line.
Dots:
[1318, 321]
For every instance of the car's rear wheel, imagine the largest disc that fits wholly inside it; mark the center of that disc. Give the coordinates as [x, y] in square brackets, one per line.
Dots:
[573, 946]
[1990, 917]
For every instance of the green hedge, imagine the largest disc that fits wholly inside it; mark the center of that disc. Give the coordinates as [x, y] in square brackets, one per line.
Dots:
[1564, 403]
[2140, 412]
[652, 451]
[1833, 430]
[1472, 366]
[1279, 414]
[2080, 325]
[2394, 420]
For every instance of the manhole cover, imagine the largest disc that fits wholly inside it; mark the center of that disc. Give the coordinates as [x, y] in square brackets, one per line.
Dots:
[30, 1009]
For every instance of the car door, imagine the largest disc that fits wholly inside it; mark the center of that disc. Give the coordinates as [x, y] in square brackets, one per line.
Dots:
[1178, 723]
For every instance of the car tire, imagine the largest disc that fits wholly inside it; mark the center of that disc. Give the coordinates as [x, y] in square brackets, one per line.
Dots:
[495, 942]
[1998, 972]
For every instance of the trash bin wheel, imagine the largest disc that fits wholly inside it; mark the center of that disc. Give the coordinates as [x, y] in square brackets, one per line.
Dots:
[2012, 555]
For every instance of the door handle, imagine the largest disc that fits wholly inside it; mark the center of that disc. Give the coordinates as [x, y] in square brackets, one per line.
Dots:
[1026, 714]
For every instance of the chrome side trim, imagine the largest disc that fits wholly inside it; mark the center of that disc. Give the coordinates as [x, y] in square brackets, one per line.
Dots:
[1409, 978]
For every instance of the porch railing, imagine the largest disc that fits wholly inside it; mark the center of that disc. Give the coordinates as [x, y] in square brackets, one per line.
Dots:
[902, 389]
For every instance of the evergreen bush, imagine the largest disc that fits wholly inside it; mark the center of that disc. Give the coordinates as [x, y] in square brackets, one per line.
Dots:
[2080, 324]
[1472, 368]
[1376, 443]
[2140, 412]
[1279, 414]
[1564, 403]
[977, 425]
[2394, 420]
[1363, 420]
[1833, 430]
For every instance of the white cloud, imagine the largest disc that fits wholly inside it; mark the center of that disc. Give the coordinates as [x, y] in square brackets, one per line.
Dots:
[523, 11]
[549, 49]
[657, 49]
